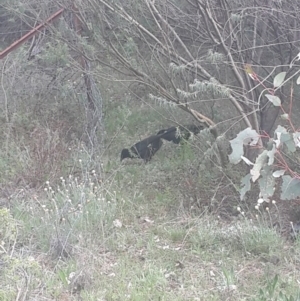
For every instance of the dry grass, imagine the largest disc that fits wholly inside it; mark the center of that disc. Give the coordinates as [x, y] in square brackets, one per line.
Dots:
[167, 230]
[136, 241]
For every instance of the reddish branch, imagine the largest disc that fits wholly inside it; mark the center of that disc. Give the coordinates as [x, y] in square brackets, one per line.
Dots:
[34, 31]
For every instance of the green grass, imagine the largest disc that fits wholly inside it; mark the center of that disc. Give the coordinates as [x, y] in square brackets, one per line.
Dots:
[140, 231]
[158, 256]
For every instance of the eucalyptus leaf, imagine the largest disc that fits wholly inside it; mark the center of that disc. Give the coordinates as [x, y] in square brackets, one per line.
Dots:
[259, 163]
[278, 173]
[266, 183]
[290, 188]
[275, 100]
[246, 137]
[246, 185]
[279, 79]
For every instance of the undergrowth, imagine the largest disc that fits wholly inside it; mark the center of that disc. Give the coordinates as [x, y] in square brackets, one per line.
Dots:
[93, 228]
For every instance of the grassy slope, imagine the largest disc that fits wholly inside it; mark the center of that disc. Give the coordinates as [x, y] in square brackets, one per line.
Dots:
[141, 232]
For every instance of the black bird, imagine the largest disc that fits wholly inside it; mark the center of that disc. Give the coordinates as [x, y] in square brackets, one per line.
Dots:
[177, 133]
[144, 149]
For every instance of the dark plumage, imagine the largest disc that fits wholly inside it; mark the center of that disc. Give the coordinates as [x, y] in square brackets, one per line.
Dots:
[177, 133]
[170, 134]
[144, 149]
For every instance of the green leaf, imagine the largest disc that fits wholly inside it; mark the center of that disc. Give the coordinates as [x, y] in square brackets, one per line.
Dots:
[296, 137]
[246, 160]
[275, 100]
[63, 277]
[273, 286]
[281, 129]
[271, 154]
[279, 79]
[278, 173]
[246, 185]
[288, 140]
[284, 137]
[266, 183]
[259, 163]
[290, 188]
[246, 137]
